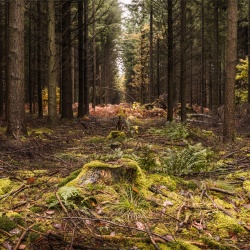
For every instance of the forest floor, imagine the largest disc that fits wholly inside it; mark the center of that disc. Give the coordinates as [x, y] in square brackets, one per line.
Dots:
[193, 192]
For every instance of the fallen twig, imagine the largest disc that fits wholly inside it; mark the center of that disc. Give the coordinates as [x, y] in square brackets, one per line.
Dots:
[22, 236]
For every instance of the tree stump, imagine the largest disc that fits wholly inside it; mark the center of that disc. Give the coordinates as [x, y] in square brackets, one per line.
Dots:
[98, 172]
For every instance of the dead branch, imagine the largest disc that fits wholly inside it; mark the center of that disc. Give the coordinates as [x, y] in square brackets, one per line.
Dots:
[22, 236]
[118, 225]
[222, 191]
[21, 188]
[178, 216]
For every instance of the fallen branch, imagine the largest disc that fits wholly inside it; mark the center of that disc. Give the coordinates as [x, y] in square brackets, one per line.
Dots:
[118, 225]
[22, 236]
[21, 188]
[222, 191]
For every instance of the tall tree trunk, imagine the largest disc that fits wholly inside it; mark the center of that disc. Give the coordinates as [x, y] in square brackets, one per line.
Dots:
[215, 101]
[66, 101]
[6, 57]
[203, 60]
[80, 63]
[1, 60]
[151, 60]
[170, 63]
[158, 83]
[85, 57]
[231, 57]
[39, 65]
[16, 102]
[94, 55]
[183, 61]
[52, 73]
[30, 61]
[248, 48]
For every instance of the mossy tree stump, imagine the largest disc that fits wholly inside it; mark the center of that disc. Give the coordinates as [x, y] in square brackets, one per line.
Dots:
[98, 172]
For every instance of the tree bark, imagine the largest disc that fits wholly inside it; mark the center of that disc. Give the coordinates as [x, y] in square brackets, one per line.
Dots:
[80, 58]
[170, 63]
[248, 48]
[183, 61]
[85, 57]
[39, 65]
[151, 59]
[231, 57]
[52, 74]
[16, 103]
[66, 101]
[215, 101]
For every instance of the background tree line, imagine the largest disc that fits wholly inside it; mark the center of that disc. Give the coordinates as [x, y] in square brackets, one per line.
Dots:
[71, 49]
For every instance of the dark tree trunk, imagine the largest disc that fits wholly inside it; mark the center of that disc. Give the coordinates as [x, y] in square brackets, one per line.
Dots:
[215, 101]
[203, 61]
[151, 67]
[248, 51]
[39, 65]
[94, 55]
[183, 61]
[85, 58]
[231, 57]
[170, 63]
[30, 61]
[16, 111]
[80, 56]
[6, 57]
[1, 59]
[66, 101]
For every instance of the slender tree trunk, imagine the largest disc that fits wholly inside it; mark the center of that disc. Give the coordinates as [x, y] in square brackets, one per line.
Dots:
[170, 63]
[158, 68]
[203, 60]
[248, 47]
[52, 74]
[80, 56]
[85, 57]
[231, 57]
[1, 60]
[6, 57]
[183, 61]
[66, 101]
[30, 61]
[39, 65]
[215, 102]
[94, 55]
[151, 59]
[16, 101]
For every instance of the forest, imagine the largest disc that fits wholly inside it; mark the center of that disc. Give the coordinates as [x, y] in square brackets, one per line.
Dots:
[124, 124]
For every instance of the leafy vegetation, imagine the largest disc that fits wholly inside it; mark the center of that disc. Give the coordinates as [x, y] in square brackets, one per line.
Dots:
[193, 159]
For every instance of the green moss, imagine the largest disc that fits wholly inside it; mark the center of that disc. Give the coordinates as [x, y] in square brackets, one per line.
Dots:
[71, 177]
[179, 245]
[96, 139]
[213, 244]
[222, 224]
[35, 235]
[162, 179]
[36, 209]
[116, 135]
[5, 185]
[120, 163]
[7, 224]
[246, 185]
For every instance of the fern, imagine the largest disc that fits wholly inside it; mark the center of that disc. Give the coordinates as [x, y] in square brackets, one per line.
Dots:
[190, 160]
[173, 130]
[69, 197]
